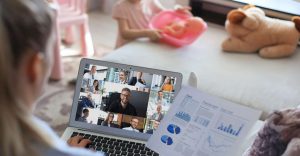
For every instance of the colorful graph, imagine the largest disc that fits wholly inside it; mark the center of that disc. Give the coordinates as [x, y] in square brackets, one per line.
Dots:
[166, 140]
[229, 129]
[231, 125]
[184, 116]
[202, 121]
[217, 145]
[174, 129]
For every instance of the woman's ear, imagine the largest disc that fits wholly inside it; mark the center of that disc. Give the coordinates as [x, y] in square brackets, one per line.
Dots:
[36, 68]
[236, 16]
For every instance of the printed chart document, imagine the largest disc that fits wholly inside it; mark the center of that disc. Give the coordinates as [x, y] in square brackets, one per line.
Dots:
[199, 124]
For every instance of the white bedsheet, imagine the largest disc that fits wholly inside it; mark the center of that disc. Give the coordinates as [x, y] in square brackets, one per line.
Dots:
[247, 79]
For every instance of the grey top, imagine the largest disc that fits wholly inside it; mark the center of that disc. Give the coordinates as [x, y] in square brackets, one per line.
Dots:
[60, 147]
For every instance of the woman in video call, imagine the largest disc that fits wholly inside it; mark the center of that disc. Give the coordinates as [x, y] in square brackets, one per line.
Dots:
[167, 86]
[137, 81]
[95, 87]
[88, 78]
[109, 121]
[25, 64]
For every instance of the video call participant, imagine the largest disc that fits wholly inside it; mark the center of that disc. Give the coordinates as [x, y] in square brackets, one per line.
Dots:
[84, 103]
[155, 126]
[122, 77]
[133, 125]
[123, 106]
[158, 115]
[159, 99]
[137, 80]
[95, 87]
[167, 86]
[83, 118]
[109, 121]
[88, 78]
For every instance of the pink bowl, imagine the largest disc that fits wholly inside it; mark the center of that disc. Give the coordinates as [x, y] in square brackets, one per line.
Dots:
[164, 18]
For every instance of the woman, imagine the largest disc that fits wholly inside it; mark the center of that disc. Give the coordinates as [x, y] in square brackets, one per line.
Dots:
[167, 86]
[109, 121]
[95, 87]
[25, 61]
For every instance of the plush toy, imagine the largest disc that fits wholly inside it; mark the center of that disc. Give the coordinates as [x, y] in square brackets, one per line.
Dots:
[280, 135]
[251, 31]
[179, 29]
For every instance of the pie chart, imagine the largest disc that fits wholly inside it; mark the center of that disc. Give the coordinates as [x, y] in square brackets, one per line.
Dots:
[166, 140]
[174, 129]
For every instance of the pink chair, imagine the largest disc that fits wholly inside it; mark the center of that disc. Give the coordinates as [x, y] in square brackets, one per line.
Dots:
[57, 69]
[71, 13]
[68, 8]
[77, 17]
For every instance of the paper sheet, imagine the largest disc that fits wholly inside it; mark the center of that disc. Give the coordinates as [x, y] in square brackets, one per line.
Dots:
[199, 124]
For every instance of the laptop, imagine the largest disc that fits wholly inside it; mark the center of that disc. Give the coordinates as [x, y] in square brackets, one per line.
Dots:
[118, 106]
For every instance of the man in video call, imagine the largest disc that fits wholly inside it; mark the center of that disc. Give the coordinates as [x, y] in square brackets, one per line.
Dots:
[123, 106]
[155, 126]
[123, 77]
[88, 78]
[158, 115]
[137, 80]
[86, 102]
[83, 118]
[133, 125]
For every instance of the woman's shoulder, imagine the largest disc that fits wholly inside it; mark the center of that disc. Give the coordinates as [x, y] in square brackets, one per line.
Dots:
[76, 152]
[60, 147]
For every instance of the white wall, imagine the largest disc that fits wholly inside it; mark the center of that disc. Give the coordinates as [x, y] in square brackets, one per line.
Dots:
[182, 2]
[108, 5]
[94, 5]
[169, 4]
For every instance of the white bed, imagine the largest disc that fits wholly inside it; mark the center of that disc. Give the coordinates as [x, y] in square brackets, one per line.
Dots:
[247, 79]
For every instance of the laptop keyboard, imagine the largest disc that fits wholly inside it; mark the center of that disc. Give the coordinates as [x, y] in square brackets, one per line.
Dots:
[116, 147]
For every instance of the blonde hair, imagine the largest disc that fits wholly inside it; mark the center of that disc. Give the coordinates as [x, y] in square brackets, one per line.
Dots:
[25, 25]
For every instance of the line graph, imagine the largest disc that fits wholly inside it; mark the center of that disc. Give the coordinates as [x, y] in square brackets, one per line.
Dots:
[216, 144]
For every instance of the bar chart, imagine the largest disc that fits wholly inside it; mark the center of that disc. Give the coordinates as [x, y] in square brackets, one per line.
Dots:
[230, 125]
[230, 130]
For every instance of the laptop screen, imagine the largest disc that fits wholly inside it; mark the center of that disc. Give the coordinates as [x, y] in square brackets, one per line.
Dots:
[124, 99]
